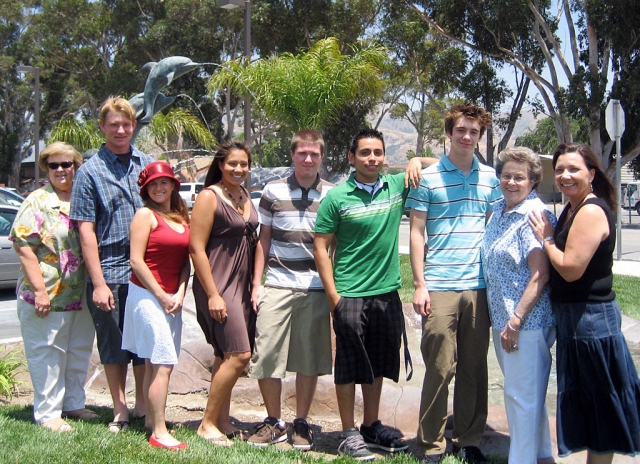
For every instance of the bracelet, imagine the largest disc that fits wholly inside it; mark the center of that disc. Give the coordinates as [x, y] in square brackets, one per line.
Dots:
[519, 317]
[511, 327]
[548, 239]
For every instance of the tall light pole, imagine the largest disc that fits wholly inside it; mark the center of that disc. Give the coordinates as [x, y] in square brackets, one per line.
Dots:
[36, 145]
[233, 5]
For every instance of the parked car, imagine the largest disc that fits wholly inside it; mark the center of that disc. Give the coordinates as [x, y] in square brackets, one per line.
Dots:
[11, 196]
[9, 262]
[189, 191]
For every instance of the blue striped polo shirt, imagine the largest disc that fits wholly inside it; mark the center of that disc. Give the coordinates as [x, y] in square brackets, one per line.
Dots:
[456, 206]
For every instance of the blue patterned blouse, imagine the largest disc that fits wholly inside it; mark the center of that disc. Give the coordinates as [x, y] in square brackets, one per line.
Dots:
[507, 243]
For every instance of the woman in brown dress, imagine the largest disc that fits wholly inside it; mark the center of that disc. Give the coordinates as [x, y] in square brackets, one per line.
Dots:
[223, 238]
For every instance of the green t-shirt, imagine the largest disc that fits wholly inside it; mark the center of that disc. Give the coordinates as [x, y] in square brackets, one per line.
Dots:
[366, 261]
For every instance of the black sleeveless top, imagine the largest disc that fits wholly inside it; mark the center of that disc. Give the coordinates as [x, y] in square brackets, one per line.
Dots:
[597, 280]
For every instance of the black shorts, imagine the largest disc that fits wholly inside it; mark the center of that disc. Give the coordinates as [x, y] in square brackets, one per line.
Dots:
[368, 336]
[108, 326]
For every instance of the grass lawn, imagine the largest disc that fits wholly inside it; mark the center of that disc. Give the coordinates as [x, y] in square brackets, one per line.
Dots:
[628, 295]
[627, 289]
[24, 442]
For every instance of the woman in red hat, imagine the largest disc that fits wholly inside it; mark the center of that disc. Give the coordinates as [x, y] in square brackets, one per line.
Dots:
[153, 317]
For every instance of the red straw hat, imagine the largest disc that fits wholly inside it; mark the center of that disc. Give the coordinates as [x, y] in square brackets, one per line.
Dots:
[153, 171]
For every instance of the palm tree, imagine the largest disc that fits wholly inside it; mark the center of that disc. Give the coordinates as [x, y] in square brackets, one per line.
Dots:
[166, 131]
[306, 91]
[81, 135]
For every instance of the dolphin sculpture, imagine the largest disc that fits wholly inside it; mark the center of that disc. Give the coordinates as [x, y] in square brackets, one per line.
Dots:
[162, 74]
[162, 101]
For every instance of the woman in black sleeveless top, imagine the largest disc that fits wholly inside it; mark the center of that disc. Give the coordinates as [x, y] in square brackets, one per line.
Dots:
[598, 387]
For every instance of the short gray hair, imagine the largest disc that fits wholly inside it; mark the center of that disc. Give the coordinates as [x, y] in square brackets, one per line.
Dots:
[522, 155]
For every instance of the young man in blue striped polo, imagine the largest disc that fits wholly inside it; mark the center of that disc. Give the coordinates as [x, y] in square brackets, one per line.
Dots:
[293, 329]
[453, 202]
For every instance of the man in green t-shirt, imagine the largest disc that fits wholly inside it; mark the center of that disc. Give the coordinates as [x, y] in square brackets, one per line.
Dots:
[363, 216]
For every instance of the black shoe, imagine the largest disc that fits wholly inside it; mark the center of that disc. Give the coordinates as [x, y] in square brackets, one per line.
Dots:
[470, 454]
[379, 436]
[301, 435]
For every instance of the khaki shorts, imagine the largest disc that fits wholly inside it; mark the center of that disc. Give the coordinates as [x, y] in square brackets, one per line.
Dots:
[293, 334]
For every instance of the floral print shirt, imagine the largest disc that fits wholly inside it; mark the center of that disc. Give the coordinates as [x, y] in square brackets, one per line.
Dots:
[43, 222]
[507, 243]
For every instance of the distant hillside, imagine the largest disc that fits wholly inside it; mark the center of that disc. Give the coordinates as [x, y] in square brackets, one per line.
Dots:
[400, 137]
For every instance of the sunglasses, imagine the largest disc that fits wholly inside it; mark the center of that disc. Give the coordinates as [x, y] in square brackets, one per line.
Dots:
[64, 164]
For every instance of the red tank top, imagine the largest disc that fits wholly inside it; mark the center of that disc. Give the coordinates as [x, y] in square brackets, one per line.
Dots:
[166, 253]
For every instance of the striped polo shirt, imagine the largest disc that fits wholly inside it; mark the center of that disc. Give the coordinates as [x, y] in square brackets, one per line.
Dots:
[456, 206]
[290, 211]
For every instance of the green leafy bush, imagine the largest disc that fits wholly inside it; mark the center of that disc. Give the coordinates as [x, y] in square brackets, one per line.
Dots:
[10, 367]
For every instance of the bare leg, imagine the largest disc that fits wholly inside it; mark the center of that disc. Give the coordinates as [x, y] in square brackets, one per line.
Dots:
[593, 458]
[271, 390]
[223, 377]
[139, 409]
[346, 394]
[148, 380]
[371, 401]
[156, 395]
[116, 378]
[305, 389]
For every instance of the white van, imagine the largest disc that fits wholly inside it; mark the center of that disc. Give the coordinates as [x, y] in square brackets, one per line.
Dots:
[631, 196]
[189, 191]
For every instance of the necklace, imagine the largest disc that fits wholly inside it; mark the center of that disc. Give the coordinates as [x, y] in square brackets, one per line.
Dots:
[573, 210]
[239, 204]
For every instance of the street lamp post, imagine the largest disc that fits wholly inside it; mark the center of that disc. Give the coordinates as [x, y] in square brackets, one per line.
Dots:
[232, 5]
[36, 145]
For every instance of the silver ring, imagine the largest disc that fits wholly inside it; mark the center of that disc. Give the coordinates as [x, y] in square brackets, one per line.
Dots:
[514, 346]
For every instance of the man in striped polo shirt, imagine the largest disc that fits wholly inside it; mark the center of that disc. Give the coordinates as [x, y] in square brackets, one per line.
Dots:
[453, 201]
[293, 329]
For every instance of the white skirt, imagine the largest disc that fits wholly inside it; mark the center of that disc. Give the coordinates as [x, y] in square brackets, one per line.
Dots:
[148, 331]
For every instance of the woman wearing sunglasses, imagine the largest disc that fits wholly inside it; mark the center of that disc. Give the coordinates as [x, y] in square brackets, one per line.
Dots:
[57, 332]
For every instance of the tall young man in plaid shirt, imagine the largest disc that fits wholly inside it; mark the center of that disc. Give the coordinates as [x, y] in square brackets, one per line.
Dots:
[104, 199]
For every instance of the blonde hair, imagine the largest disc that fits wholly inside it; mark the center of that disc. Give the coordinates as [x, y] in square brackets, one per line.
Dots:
[117, 105]
[59, 148]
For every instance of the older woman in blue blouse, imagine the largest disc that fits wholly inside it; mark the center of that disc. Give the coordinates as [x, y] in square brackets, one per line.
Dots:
[516, 271]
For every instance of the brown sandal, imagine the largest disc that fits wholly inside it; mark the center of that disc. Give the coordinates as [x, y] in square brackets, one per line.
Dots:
[57, 425]
[118, 426]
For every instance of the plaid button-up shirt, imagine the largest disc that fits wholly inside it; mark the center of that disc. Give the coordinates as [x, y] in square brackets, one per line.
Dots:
[106, 192]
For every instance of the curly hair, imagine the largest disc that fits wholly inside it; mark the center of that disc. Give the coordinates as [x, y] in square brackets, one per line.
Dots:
[522, 155]
[469, 111]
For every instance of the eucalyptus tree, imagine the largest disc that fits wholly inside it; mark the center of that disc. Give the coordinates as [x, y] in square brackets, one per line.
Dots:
[596, 35]
[312, 90]
[17, 94]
